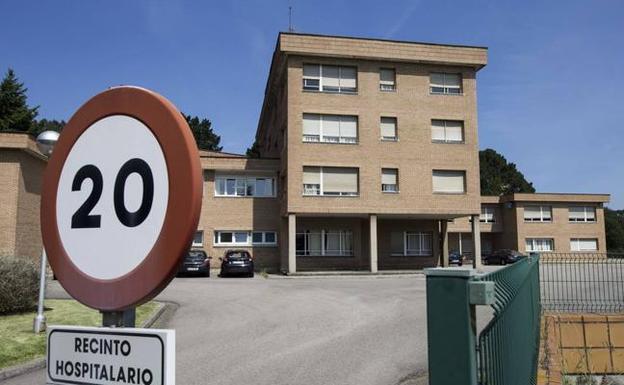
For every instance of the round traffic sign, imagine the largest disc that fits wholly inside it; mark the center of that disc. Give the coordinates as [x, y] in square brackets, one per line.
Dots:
[121, 198]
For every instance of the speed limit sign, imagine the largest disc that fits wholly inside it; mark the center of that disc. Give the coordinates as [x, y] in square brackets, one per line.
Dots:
[121, 198]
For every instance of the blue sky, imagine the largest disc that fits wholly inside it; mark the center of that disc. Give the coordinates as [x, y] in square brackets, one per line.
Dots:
[551, 99]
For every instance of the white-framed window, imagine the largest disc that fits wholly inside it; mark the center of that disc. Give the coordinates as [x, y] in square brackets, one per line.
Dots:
[326, 128]
[537, 214]
[329, 78]
[244, 186]
[198, 239]
[445, 83]
[330, 181]
[388, 127]
[539, 244]
[449, 181]
[582, 214]
[335, 243]
[387, 79]
[487, 214]
[447, 131]
[411, 243]
[584, 244]
[390, 180]
[245, 238]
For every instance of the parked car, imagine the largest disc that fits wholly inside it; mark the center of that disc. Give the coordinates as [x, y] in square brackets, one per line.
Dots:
[502, 257]
[237, 262]
[195, 262]
[455, 257]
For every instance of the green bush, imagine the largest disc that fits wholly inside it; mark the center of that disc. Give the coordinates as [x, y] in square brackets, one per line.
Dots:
[19, 285]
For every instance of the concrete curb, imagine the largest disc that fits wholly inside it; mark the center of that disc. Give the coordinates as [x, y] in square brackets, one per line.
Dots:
[40, 363]
[347, 275]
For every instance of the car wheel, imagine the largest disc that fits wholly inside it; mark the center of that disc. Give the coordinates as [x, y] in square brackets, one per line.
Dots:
[250, 275]
[459, 263]
[503, 262]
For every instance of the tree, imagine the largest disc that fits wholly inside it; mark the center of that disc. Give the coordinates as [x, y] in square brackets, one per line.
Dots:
[253, 151]
[498, 177]
[614, 226]
[15, 114]
[205, 137]
[47, 125]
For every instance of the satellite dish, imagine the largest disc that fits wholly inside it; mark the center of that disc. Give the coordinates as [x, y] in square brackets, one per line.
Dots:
[46, 141]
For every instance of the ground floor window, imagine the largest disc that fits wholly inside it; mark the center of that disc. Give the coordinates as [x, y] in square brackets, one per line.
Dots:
[198, 238]
[336, 243]
[245, 238]
[540, 244]
[583, 244]
[411, 243]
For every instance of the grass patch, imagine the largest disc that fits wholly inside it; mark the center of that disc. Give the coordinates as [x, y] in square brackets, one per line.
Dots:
[19, 344]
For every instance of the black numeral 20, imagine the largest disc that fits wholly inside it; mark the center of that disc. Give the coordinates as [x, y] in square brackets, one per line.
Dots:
[83, 219]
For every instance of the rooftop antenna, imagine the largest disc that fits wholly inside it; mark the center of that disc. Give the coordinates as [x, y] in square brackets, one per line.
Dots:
[290, 27]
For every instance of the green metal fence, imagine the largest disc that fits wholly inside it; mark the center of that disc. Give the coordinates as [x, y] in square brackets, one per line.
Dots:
[508, 347]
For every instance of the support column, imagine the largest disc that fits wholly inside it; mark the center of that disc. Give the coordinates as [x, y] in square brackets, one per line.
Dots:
[292, 243]
[445, 242]
[476, 242]
[373, 243]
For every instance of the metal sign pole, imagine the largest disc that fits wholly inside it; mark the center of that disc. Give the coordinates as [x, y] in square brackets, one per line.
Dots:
[119, 319]
[39, 323]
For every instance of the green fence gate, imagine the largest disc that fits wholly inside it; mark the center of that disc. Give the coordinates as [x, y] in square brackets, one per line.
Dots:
[506, 350]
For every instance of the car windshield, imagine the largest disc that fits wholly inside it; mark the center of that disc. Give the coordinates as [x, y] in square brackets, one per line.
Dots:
[195, 255]
[238, 255]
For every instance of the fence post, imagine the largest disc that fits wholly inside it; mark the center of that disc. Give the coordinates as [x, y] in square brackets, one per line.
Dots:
[451, 327]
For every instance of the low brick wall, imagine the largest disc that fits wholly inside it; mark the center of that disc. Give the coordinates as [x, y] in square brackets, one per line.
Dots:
[575, 344]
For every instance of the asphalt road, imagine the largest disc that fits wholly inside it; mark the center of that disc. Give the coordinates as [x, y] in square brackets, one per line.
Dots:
[338, 330]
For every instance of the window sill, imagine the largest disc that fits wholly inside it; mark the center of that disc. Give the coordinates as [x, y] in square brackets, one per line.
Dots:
[389, 91]
[448, 142]
[445, 94]
[243, 197]
[538, 222]
[448, 193]
[582, 222]
[242, 245]
[330, 92]
[390, 192]
[330, 196]
[389, 140]
[409, 256]
[325, 256]
[343, 143]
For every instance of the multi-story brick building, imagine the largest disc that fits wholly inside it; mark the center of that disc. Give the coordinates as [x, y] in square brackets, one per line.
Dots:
[369, 160]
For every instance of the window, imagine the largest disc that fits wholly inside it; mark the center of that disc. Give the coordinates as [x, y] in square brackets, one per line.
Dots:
[583, 244]
[537, 214]
[198, 239]
[318, 77]
[411, 243]
[487, 214]
[449, 182]
[447, 131]
[539, 244]
[241, 186]
[337, 181]
[325, 243]
[387, 79]
[330, 128]
[388, 127]
[389, 180]
[444, 83]
[582, 214]
[245, 238]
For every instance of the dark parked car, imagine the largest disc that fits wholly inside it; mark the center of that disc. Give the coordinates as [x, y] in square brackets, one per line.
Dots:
[502, 257]
[195, 262]
[456, 258]
[237, 262]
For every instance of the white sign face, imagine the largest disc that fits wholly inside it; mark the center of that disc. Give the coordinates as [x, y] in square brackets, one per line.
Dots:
[81, 355]
[112, 197]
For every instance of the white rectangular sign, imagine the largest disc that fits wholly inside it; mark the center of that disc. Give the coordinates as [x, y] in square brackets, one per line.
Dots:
[88, 355]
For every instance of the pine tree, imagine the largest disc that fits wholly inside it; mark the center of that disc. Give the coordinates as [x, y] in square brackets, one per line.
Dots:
[15, 115]
[498, 177]
[205, 137]
[254, 150]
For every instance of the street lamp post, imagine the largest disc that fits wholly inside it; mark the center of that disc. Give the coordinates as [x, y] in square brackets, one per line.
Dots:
[45, 142]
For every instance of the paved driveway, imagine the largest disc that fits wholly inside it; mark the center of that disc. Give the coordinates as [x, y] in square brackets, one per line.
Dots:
[338, 330]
